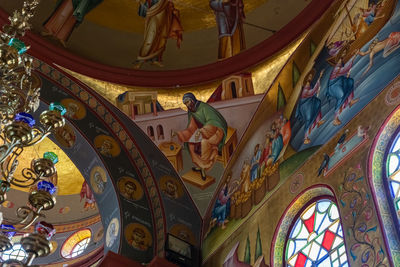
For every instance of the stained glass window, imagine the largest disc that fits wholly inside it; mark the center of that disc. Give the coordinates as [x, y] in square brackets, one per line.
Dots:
[393, 173]
[316, 238]
[76, 244]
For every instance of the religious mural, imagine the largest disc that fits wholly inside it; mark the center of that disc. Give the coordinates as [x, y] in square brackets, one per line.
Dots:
[113, 166]
[158, 34]
[354, 62]
[229, 16]
[347, 71]
[162, 22]
[309, 137]
[66, 16]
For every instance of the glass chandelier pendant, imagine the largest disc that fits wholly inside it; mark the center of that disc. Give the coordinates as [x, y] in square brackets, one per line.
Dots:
[19, 98]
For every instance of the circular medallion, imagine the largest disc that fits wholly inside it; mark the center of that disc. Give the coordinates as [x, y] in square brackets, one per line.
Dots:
[98, 179]
[112, 232]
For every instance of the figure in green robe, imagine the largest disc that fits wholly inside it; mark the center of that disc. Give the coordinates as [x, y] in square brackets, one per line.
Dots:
[205, 134]
[66, 16]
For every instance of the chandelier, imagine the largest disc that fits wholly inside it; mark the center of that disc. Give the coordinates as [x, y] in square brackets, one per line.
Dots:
[18, 130]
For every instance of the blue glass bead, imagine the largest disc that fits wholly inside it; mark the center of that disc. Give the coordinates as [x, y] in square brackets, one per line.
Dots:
[18, 44]
[51, 156]
[25, 117]
[8, 227]
[58, 107]
[47, 186]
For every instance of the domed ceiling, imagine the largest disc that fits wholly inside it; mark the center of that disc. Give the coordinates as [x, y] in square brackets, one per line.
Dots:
[110, 38]
[112, 32]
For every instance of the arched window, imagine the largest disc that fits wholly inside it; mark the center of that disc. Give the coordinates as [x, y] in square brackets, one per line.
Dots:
[76, 244]
[15, 253]
[384, 178]
[393, 176]
[160, 132]
[316, 237]
[233, 90]
[150, 132]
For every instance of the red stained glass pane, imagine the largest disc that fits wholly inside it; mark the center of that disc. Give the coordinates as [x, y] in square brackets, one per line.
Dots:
[309, 223]
[328, 240]
[301, 260]
[313, 248]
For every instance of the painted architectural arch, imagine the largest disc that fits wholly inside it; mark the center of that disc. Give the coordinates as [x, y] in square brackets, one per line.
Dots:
[384, 180]
[316, 238]
[286, 227]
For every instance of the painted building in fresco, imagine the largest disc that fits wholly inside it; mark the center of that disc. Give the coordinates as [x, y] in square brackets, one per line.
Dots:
[305, 172]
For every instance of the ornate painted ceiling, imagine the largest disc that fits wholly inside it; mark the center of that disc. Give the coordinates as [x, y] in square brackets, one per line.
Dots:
[112, 32]
[106, 44]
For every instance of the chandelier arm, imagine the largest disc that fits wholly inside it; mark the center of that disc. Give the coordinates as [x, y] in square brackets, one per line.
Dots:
[8, 149]
[26, 213]
[29, 175]
[11, 166]
[40, 133]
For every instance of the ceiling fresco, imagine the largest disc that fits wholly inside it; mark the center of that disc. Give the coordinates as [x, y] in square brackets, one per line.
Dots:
[195, 14]
[127, 183]
[127, 143]
[112, 32]
[171, 98]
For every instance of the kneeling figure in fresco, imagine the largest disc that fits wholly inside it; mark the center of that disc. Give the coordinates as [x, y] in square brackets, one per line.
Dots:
[205, 134]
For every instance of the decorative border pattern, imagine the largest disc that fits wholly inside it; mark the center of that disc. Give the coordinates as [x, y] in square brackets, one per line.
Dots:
[287, 219]
[376, 166]
[364, 243]
[123, 137]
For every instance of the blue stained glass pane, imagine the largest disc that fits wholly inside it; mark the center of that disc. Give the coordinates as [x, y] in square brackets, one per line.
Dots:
[393, 163]
[324, 225]
[322, 206]
[296, 230]
[326, 217]
[303, 234]
[318, 221]
[396, 145]
[395, 188]
[291, 247]
[333, 213]
[326, 262]
[340, 232]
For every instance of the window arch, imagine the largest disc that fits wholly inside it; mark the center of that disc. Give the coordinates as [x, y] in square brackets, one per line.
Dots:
[392, 175]
[150, 132]
[76, 244]
[383, 176]
[289, 217]
[316, 237]
[14, 253]
[160, 132]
